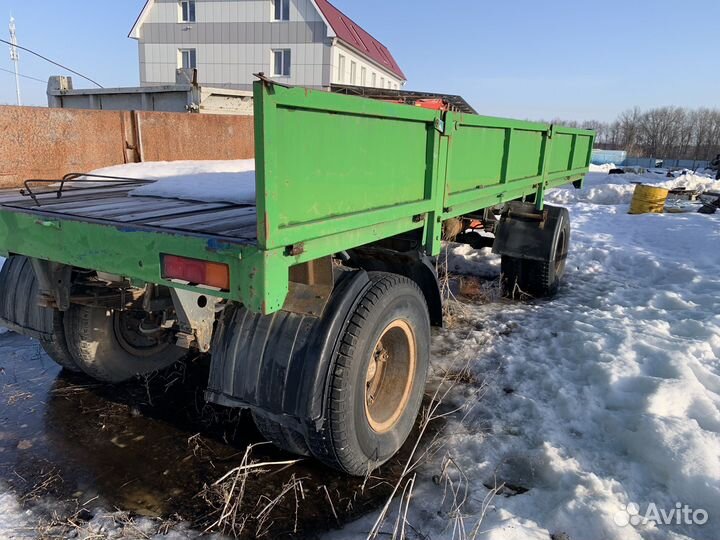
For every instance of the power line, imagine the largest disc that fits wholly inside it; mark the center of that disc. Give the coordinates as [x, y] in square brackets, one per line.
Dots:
[53, 62]
[23, 76]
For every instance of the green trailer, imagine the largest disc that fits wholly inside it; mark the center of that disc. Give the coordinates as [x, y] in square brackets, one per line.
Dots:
[315, 302]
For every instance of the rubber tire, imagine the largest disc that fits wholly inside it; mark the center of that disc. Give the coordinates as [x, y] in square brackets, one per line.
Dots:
[283, 437]
[345, 441]
[91, 339]
[523, 278]
[57, 348]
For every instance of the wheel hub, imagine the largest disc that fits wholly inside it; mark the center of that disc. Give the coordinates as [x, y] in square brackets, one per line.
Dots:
[389, 377]
[127, 327]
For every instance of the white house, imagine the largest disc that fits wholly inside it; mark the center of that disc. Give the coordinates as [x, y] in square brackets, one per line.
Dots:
[300, 42]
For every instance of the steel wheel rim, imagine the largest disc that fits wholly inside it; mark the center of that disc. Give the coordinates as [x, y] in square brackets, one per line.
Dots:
[132, 341]
[389, 376]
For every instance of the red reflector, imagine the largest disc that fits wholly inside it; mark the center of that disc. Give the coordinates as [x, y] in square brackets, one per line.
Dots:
[196, 271]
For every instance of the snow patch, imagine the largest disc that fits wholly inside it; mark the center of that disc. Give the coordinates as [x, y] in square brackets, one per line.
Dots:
[604, 168]
[14, 518]
[204, 181]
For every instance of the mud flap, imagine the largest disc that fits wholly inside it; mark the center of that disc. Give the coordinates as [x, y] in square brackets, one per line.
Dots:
[279, 363]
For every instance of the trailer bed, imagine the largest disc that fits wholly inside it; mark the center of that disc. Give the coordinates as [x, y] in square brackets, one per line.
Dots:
[231, 222]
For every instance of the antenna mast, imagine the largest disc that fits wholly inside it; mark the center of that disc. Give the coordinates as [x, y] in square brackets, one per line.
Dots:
[15, 58]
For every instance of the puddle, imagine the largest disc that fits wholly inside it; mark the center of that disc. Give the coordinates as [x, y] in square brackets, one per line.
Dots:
[151, 448]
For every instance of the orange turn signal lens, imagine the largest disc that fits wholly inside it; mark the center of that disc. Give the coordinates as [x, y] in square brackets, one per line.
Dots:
[196, 271]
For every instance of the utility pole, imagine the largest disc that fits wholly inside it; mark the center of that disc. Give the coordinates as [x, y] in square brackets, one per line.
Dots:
[15, 58]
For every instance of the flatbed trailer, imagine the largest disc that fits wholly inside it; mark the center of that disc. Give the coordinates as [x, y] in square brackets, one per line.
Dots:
[354, 198]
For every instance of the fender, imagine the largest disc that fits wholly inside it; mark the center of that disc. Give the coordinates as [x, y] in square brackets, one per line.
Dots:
[414, 265]
[279, 363]
[526, 233]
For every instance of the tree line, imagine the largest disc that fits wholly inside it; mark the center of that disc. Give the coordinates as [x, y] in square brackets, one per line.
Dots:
[663, 132]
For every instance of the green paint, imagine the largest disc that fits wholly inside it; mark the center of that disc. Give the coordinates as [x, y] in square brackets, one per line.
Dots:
[333, 173]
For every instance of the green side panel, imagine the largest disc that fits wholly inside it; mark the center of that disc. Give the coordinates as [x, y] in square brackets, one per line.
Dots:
[526, 158]
[495, 160]
[345, 164]
[476, 158]
[334, 163]
[570, 150]
[583, 149]
[562, 151]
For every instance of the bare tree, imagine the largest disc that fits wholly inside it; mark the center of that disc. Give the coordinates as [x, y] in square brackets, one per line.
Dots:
[662, 132]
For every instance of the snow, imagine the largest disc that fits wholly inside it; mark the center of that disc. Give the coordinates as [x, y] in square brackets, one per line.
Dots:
[206, 181]
[17, 523]
[606, 395]
[14, 519]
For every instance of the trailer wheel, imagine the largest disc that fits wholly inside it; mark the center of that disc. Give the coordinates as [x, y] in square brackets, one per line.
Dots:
[108, 346]
[283, 437]
[377, 378]
[522, 278]
[57, 348]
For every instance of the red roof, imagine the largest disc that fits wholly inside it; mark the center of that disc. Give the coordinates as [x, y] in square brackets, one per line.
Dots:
[352, 34]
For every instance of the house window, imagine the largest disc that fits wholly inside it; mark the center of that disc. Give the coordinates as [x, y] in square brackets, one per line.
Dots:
[187, 58]
[281, 63]
[374, 80]
[281, 10]
[341, 68]
[353, 73]
[363, 77]
[187, 11]
[382, 82]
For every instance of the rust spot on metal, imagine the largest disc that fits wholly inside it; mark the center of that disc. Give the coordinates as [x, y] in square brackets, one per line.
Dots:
[296, 249]
[176, 136]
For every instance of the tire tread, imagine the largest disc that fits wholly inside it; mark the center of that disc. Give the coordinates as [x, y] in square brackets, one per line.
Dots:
[330, 444]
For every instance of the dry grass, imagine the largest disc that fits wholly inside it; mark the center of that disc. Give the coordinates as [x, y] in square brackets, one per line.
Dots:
[460, 291]
[238, 516]
[46, 481]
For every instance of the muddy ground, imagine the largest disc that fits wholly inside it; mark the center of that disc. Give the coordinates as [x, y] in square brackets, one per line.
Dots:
[70, 446]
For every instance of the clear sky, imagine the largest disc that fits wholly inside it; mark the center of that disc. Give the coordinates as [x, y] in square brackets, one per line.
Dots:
[518, 58]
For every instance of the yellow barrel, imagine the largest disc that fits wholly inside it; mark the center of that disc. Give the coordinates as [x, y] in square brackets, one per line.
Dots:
[648, 200]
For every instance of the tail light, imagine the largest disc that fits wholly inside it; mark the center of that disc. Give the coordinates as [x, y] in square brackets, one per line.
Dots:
[196, 271]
